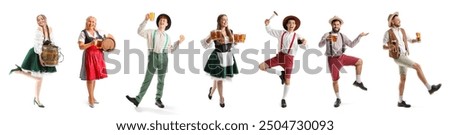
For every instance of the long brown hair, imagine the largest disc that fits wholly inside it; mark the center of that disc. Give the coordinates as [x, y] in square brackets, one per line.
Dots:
[46, 25]
[219, 18]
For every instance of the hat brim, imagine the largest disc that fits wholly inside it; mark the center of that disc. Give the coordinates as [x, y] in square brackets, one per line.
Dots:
[336, 18]
[390, 17]
[169, 21]
[291, 17]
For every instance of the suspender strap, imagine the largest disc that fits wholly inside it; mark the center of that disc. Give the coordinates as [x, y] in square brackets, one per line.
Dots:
[331, 47]
[343, 45]
[292, 42]
[153, 38]
[330, 44]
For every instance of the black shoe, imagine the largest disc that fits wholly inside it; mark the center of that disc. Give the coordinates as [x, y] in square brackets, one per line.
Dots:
[133, 100]
[434, 88]
[360, 85]
[337, 103]
[222, 103]
[403, 104]
[159, 103]
[38, 103]
[283, 103]
[282, 77]
[18, 68]
[209, 94]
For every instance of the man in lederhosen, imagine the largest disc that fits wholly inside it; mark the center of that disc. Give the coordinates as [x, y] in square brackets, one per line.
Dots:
[335, 43]
[289, 41]
[159, 44]
[396, 40]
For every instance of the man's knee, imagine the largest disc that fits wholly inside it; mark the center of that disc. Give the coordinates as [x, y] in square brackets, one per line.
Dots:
[416, 66]
[402, 78]
[288, 81]
[360, 62]
[335, 82]
[263, 66]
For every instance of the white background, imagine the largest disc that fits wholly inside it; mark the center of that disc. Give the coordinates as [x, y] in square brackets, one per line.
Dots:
[249, 97]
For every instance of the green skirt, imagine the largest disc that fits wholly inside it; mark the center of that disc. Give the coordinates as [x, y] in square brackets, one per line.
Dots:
[31, 63]
[216, 70]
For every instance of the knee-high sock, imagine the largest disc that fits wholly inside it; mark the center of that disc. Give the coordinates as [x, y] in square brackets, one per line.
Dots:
[274, 71]
[286, 90]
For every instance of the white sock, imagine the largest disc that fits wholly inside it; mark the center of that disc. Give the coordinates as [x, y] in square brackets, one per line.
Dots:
[274, 71]
[286, 89]
[337, 95]
[428, 86]
[400, 99]
[358, 78]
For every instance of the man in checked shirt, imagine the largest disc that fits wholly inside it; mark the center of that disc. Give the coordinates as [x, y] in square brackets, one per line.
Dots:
[335, 43]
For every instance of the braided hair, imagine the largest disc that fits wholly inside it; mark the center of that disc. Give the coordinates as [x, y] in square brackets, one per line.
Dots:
[45, 28]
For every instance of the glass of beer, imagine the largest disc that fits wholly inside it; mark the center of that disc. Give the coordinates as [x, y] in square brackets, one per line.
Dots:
[394, 42]
[334, 37]
[151, 16]
[99, 44]
[418, 36]
[242, 38]
[216, 34]
[236, 38]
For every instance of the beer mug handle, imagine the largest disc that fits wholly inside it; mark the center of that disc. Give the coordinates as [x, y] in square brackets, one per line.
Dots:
[61, 55]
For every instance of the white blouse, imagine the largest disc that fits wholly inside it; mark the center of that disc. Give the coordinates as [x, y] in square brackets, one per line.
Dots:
[207, 45]
[82, 37]
[39, 40]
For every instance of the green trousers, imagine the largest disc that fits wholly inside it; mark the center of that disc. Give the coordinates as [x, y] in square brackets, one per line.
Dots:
[156, 62]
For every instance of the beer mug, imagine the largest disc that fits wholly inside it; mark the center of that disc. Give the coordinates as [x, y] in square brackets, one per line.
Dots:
[98, 43]
[236, 38]
[394, 42]
[242, 38]
[216, 34]
[300, 41]
[151, 16]
[418, 36]
[334, 37]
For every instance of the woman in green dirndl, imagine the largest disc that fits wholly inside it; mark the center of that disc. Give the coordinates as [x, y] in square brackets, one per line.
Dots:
[221, 64]
[33, 65]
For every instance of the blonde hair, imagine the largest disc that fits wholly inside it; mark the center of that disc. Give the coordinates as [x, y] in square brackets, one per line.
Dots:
[43, 16]
[87, 20]
[46, 25]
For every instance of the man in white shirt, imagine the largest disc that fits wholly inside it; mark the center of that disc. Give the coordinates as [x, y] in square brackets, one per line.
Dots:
[159, 44]
[396, 41]
[289, 42]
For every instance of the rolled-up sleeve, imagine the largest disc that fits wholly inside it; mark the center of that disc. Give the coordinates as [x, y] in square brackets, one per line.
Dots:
[386, 38]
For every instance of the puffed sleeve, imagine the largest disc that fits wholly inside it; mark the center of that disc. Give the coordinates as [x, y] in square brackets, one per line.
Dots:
[38, 40]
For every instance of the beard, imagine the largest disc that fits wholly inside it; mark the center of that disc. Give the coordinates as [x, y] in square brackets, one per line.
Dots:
[335, 30]
[397, 25]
